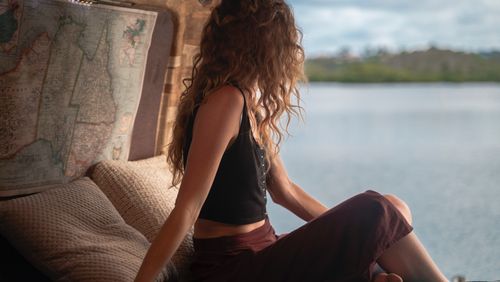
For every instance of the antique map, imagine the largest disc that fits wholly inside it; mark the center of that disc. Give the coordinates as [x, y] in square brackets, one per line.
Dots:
[71, 78]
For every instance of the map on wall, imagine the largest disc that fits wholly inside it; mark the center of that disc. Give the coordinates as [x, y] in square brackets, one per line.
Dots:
[71, 78]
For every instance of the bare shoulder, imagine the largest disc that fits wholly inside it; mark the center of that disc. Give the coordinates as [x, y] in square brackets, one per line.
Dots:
[226, 96]
[219, 113]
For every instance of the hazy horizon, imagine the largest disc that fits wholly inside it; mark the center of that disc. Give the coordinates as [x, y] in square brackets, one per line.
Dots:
[461, 25]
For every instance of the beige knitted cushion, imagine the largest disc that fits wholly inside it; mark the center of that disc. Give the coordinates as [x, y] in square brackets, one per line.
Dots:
[141, 192]
[73, 233]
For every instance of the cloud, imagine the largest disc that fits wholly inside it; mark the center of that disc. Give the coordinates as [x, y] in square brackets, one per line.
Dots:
[329, 25]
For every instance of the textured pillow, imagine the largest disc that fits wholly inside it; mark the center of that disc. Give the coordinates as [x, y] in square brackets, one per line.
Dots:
[73, 233]
[141, 192]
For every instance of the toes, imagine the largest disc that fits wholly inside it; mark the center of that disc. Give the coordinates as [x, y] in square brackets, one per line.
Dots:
[392, 277]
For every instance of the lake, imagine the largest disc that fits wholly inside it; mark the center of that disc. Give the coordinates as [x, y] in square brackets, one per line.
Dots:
[436, 146]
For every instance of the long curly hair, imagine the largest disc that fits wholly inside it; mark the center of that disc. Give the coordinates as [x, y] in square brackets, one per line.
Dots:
[253, 44]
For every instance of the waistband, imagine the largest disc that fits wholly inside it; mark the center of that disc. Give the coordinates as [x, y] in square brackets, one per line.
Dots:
[262, 233]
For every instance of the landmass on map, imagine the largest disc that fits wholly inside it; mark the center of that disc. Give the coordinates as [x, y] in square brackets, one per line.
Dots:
[70, 84]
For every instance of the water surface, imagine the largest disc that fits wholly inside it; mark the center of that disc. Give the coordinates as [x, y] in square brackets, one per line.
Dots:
[436, 146]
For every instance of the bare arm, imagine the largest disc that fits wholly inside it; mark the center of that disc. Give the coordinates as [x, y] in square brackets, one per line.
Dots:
[289, 195]
[216, 123]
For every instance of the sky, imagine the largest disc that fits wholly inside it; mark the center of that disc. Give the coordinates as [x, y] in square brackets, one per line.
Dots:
[330, 25]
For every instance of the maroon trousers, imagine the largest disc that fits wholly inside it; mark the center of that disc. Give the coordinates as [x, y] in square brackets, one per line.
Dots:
[342, 244]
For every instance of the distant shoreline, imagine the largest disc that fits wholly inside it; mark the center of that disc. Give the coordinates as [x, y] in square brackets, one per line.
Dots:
[430, 83]
[428, 66]
[404, 82]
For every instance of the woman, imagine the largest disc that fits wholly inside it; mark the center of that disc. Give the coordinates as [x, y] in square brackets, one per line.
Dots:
[226, 149]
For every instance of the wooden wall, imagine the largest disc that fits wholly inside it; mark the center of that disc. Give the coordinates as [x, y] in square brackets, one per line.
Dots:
[189, 17]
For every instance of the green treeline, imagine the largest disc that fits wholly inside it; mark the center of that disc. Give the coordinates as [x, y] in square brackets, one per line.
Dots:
[432, 65]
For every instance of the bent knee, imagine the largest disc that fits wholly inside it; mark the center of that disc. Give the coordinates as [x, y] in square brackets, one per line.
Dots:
[401, 206]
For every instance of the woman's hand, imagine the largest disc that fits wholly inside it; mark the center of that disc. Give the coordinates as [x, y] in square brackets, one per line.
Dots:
[387, 277]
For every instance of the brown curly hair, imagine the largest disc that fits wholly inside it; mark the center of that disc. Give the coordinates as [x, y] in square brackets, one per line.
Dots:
[248, 43]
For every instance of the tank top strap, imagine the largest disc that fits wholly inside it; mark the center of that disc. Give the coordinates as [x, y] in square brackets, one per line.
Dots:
[245, 121]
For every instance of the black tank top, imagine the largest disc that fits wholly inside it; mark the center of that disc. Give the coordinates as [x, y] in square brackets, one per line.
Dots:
[238, 193]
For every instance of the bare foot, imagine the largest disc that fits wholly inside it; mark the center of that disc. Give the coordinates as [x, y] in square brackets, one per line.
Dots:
[387, 277]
